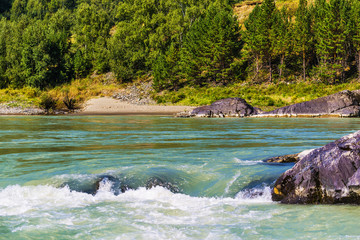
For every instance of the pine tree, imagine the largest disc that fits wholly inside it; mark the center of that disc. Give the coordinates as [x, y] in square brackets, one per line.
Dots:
[281, 37]
[258, 37]
[4, 33]
[332, 37]
[303, 33]
[210, 46]
[267, 17]
[251, 38]
[355, 32]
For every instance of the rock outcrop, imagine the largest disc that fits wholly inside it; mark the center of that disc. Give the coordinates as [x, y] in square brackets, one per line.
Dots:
[341, 104]
[228, 107]
[326, 175]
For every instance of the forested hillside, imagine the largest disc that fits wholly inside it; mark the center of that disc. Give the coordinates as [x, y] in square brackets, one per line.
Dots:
[44, 43]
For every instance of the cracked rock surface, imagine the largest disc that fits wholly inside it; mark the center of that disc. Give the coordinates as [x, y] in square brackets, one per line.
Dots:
[326, 175]
[345, 103]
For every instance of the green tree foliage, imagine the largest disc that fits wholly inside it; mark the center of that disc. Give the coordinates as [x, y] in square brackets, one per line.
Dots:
[44, 43]
[281, 37]
[252, 39]
[210, 47]
[5, 5]
[147, 29]
[36, 8]
[14, 49]
[43, 55]
[166, 69]
[303, 34]
[355, 32]
[331, 38]
[18, 8]
[268, 16]
[91, 32]
[260, 35]
[4, 33]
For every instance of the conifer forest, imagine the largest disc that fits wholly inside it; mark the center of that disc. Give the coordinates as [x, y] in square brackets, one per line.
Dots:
[177, 43]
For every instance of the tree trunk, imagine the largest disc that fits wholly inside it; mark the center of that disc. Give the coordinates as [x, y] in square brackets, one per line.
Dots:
[358, 65]
[270, 69]
[281, 66]
[257, 67]
[304, 66]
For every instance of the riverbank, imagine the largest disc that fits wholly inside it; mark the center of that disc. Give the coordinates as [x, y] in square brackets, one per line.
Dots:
[140, 97]
[111, 106]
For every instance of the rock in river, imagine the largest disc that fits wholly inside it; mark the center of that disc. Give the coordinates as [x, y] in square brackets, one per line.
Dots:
[290, 158]
[228, 107]
[341, 104]
[326, 175]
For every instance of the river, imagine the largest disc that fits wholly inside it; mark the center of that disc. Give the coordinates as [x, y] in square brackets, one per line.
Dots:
[216, 185]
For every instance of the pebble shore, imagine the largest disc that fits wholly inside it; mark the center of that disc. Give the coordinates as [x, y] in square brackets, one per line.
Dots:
[10, 110]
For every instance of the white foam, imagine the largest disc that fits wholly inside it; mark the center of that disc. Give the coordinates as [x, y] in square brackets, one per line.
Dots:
[105, 186]
[246, 162]
[256, 195]
[228, 185]
[17, 200]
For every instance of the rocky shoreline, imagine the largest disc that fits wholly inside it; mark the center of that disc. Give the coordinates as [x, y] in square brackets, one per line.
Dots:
[138, 94]
[7, 109]
[342, 104]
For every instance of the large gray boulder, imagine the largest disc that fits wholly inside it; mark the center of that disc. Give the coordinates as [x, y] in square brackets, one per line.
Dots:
[326, 175]
[228, 107]
[341, 104]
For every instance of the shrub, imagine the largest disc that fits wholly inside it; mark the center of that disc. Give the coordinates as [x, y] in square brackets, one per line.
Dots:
[70, 103]
[47, 103]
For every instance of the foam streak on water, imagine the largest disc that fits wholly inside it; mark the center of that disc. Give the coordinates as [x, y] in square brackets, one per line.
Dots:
[246, 162]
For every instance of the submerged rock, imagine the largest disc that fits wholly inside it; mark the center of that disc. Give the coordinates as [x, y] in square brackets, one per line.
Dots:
[81, 185]
[341, 104]
[328, 175]
[116, 185]
[290, 158]
[156, 181]
[228, 107]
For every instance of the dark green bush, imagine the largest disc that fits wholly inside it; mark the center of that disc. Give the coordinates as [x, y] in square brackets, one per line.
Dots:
[47, 103]
[70, 103]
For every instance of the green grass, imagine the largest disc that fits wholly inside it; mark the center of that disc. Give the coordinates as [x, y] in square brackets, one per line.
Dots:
[24, 97]
[79, 90]
[265, 96]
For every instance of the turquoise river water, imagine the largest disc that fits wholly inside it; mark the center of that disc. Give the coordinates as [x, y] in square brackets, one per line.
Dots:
[87, 177]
